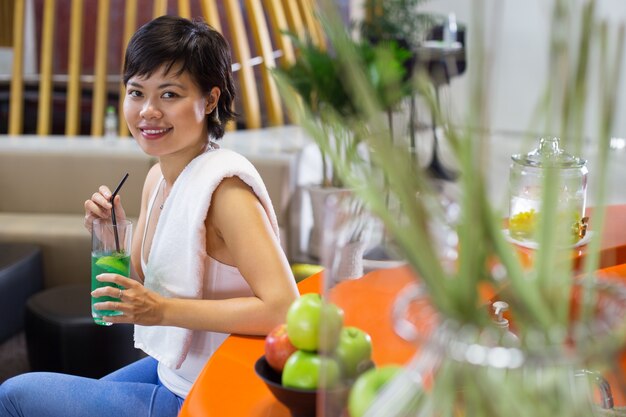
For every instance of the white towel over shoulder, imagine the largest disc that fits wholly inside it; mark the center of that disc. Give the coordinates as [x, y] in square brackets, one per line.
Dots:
[178, 254]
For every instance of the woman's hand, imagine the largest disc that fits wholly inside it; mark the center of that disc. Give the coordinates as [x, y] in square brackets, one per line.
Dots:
[137, 304]
[99, 207]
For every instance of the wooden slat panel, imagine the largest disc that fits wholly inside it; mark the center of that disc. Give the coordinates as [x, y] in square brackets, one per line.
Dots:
[130, 25]
[294, 19]
[74, 69]
[294, 15]
[211, 15]
[44, 112]
[100, 72]
[6, 22]
[307, 20]
[247, 87]
[278, 23]
[261, 37]
[309, 11]
[159, 8]
[184, 9]
[16, 102]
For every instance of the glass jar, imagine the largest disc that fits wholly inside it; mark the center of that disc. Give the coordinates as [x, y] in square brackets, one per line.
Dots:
[526, 185]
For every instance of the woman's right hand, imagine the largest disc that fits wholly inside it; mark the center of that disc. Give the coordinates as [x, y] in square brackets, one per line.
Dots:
[99, 207]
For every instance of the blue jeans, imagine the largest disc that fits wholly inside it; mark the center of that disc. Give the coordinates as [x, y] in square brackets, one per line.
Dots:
[133, 391]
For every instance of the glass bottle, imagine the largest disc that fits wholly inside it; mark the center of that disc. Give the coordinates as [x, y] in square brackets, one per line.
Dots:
[110, 123]
[450, 31]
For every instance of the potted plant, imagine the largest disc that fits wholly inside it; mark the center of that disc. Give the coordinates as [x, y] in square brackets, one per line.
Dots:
[316, 79]
[399, 21]
[436, 43]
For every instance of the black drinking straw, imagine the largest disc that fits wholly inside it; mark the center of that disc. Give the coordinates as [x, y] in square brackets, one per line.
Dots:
[117, 189]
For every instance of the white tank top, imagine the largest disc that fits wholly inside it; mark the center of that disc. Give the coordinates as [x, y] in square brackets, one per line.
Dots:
[221, 281]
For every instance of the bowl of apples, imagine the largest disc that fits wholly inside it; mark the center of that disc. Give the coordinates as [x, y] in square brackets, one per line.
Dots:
[302, 356]
[300, 402]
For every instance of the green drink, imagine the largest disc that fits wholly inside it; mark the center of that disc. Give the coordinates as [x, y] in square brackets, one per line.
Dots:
[102, 263]
[110, 253]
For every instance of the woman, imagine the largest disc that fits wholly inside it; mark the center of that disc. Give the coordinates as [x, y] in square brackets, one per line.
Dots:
[206, 256]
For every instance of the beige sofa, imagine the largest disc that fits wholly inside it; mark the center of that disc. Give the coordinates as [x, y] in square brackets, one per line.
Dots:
[45, 181]
[43, 185]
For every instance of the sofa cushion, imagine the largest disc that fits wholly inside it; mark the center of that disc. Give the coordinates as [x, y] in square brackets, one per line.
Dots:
[64, 242]
[59, 176]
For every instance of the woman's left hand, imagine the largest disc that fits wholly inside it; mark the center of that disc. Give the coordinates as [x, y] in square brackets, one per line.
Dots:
[137, 304]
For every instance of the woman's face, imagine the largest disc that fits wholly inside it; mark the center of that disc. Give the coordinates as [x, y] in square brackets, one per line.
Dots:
[166, 112]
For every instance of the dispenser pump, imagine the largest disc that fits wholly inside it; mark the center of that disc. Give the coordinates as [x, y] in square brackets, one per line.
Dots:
[499, 307]
[507, 338]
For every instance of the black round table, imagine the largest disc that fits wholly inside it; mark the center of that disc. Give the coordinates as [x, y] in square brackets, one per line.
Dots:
[61, 335]
[20, 276]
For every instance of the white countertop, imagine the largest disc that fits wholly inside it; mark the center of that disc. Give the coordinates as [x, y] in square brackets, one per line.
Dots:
[273, 141]
[286, 141]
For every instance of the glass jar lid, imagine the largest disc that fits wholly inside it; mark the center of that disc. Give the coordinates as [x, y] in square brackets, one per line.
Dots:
[549, 154]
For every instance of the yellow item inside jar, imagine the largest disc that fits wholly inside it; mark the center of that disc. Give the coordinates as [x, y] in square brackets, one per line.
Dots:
[523, 225]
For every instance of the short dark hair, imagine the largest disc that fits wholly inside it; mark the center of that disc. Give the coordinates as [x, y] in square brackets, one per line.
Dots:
[200, 50]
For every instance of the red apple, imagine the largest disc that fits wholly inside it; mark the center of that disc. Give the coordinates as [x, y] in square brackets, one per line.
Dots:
[278, 347]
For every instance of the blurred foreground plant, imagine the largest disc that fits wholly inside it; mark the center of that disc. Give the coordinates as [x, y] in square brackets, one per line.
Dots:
[555, 341]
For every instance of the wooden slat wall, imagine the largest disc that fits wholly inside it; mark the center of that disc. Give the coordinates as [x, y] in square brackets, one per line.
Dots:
[44, 112]
[307, 17]
[130, 25]
[72, 118]
[100, 74]
[279, 25]
[211, 16]
[16, 106]
[6, 22]
[259, 21]
[160, 8]
[184, 8]
[294, 19]
[248, 89]
[261, 37]
[308, 10]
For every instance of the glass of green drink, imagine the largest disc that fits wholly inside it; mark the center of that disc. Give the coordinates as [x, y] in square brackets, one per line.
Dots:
[110, 253]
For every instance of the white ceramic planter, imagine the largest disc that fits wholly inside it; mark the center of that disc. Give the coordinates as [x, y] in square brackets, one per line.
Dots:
[318, 196]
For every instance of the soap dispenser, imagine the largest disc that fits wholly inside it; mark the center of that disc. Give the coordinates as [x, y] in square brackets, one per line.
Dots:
[506, 337]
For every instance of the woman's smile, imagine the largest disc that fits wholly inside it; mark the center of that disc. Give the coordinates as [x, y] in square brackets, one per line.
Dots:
[151, 133]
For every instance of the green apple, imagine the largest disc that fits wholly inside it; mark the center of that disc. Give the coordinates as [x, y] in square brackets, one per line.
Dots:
[354, 352]
[367, 386]
[308, 370]
[314, 324]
